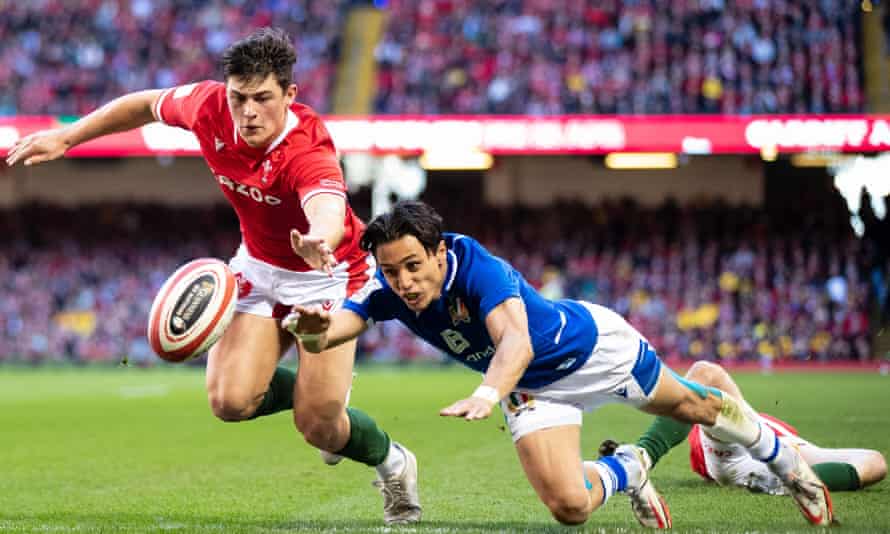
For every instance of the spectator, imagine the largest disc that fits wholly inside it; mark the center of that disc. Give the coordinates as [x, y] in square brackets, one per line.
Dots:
[65, 58]
[650, 56]
[700, 281]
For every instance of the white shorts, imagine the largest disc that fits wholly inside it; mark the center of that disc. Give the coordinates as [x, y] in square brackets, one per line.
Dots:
[270, 291]
[622, 368]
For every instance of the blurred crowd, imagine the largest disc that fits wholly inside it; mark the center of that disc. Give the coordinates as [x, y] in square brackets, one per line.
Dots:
[630, 56]
[701, 281]
[456, 56]
[59, 57]
[78, 283]
[711, 281]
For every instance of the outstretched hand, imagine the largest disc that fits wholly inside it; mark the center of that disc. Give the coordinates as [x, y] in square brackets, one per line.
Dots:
[38, 147]
[314, 250]
[307, 321]
[471, 409]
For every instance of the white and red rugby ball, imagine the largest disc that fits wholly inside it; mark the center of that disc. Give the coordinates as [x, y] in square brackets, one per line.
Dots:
[192, 309]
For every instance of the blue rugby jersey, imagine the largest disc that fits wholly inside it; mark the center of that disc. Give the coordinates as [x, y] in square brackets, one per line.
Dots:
[563, 333]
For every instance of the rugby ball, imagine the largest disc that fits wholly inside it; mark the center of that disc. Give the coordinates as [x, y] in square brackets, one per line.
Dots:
[192, 309]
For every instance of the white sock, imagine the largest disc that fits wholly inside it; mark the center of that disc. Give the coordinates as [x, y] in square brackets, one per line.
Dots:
[784, 462]
[613, 475]
[735, 424]
[394, 463]
[766, 447]
[632, 464]
[606, 479]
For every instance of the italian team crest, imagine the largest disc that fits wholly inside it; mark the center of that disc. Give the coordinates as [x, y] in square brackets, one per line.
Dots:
[518, 403]
[458, 311]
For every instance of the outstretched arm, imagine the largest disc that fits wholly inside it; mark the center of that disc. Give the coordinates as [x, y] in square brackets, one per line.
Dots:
[121, 114]
[507, 325]
[326, 214]
[318, 329]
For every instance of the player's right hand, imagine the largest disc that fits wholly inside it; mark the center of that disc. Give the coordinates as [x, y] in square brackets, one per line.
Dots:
[314, 250]
[471, 409]
[307, 321]
[38, 147]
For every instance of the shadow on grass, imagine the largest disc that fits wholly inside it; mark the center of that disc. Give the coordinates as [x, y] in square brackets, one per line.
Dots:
[195, 523]
[152, 522]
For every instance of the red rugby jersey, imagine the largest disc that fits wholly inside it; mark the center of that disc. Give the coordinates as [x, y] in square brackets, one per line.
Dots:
[267, 187]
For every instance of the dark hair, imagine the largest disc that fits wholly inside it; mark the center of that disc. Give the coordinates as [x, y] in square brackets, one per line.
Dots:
[408, 217]
[264, 52]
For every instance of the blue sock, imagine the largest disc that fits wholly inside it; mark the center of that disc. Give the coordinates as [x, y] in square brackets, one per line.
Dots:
[612, 474]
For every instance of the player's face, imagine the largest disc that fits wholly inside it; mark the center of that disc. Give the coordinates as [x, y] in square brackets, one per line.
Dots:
[259, 108]
[413, 272]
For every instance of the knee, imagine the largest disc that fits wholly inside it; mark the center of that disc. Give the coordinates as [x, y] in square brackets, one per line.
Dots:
[319, 428]
[232, 406]
[880, 466]
[705, 373]
[571, 509]
[877, 469]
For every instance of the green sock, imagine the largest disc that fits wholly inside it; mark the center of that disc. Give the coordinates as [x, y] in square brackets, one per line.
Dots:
[367, 443]
[280, 395]
[838, 476]
[663, 435]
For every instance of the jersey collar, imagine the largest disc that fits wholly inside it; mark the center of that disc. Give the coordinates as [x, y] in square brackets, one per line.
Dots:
[291, 121]
[451, 272]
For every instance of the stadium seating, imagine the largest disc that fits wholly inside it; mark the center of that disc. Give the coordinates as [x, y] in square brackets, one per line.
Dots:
[707, 281]
[642, 57]
[67, 58]
[455, 56]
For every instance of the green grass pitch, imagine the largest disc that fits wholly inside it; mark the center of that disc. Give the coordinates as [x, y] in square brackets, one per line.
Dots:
[130, 450]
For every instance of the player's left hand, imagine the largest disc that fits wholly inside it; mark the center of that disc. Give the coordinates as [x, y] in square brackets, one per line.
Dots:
[306, 320]
[314, 250]
[471, 409]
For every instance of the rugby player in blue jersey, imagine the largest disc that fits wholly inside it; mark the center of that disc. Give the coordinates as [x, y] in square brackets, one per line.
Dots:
[544, 362]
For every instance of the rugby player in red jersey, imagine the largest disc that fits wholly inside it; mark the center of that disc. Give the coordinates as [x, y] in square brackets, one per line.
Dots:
[728, 464]
[276, 164]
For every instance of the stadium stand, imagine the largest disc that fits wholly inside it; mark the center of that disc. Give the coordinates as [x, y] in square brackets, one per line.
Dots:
[67, 58]
[454, 56]
[701, 281]
[643, 57]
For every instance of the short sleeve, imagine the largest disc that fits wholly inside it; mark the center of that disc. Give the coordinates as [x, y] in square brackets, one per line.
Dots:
[317, 171]
[179, 106]
[370, 302]
[489, 280]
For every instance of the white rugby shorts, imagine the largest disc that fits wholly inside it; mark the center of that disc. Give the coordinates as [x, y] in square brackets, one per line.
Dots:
[270, 291]
[623, 368]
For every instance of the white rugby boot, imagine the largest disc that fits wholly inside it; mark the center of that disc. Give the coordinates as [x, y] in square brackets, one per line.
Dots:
[401, 501]
[648, 506]
[809, 492]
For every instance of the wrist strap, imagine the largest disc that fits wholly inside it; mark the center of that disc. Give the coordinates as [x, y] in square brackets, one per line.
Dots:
[488, 393]
[308, 337]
